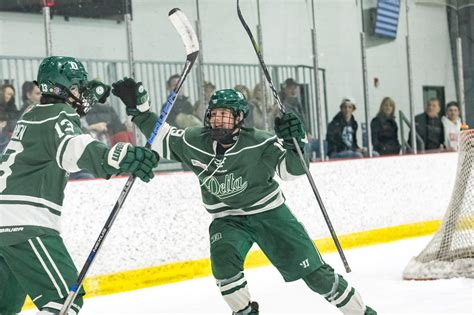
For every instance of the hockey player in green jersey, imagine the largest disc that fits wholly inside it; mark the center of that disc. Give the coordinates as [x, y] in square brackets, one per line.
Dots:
[235, 167]
[46, 145]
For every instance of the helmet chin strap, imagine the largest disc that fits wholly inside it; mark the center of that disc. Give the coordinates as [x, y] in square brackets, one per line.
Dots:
[226, 136]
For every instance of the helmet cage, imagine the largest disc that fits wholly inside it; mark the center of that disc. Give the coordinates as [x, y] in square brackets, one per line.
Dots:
[224, 135]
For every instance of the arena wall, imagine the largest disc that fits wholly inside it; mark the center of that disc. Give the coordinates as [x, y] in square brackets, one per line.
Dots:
[161, 236]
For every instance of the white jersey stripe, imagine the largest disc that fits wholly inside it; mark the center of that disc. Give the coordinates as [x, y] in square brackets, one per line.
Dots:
[39, 122]
[261, 201]
[24, 215]
[158, 143]
[268, 197]
[46, 269]
[272, 205]
[60, 149]
[283, 171]
[73, 152]
[38, 200]
[60, 276]
[168, 148]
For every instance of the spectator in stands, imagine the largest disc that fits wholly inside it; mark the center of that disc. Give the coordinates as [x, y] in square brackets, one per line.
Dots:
[429, 127]
[262, 101]
[342, 133]
[181, 115]
[452, 126]
[385, 130]
[30, 94]
[104, 124]
[200, 107]
[249, 121]
[244, 90]
[290, 98]
[4, 135]
[7, 105]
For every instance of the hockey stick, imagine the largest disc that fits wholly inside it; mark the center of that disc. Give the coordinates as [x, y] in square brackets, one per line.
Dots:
[191, 44]
[295, 142]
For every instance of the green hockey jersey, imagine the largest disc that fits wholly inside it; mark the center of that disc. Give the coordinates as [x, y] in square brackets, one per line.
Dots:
[46, 145]
[238, 182]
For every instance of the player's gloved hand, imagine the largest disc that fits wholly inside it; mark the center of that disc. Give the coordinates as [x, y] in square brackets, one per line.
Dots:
[133, 95]
[124, 157]
[96, 91]
[290, 126]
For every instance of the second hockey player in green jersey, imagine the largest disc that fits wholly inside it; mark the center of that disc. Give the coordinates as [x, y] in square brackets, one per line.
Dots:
[230, 184]
[236, 168]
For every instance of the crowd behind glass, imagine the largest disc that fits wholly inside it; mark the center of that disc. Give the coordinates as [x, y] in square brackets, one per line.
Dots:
[434, 132]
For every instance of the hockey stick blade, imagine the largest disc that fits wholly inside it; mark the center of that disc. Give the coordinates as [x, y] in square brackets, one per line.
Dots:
[185, 30]
[191, 44]
[295, 142]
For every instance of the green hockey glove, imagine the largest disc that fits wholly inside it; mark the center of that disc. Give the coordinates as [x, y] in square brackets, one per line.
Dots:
[96, 91]
[290, 126]
[133, 95]
[139, 161]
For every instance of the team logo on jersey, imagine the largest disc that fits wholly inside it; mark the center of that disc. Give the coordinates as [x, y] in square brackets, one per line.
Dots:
[304, 263]
[229, 188]
[215, 237]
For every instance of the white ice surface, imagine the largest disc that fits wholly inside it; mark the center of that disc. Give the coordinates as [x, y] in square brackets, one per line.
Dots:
[376, 274]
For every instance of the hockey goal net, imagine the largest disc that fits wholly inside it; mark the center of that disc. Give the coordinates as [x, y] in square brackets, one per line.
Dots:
[450, 253]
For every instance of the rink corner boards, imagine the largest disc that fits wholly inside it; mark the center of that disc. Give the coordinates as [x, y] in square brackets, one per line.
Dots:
[175, 272]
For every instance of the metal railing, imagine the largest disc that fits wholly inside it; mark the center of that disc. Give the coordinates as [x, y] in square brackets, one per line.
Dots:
[154, 74]
[406, 145]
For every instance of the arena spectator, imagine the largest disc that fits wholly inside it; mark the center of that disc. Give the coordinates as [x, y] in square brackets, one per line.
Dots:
[342, 133]
[290, 98]
[30, 94]
[452, 126]
[7, 105]
[4, 135]
[248, 95]
[244, 90]
[429, 127]
[104, 124]
[181, 115]
[201, 106]
[385, 129]
[262, 101]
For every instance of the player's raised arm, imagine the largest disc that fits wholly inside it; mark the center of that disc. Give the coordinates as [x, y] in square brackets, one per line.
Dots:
[169, 140]
[63, 83]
